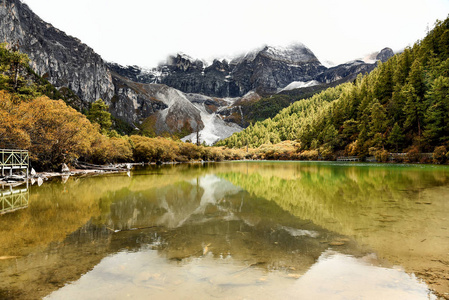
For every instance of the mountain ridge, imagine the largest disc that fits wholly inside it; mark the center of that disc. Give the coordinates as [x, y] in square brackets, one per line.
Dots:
[265, 69]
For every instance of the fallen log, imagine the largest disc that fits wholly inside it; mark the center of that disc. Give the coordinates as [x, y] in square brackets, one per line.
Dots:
[88, 166]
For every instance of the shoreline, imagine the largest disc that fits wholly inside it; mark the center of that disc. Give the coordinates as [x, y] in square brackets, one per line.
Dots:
[17, 180]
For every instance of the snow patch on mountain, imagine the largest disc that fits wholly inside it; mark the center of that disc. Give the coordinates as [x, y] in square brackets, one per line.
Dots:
[299, 84]
[295, 53]
[171, 96]
[146, 71]
[230, 101]
[327, 63]
[215, 128]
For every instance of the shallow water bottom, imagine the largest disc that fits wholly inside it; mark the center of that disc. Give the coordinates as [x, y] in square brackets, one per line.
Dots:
[145, 275]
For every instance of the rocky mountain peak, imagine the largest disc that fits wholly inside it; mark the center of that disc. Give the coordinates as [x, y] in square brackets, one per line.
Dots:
[382, 55]
[184, 62]
[294, 54]
[385, 54]
[219, 66]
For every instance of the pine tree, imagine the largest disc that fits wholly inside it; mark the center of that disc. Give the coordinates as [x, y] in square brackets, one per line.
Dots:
[378, 121]
[413, 110]
[396, 137]
[98, 113]
[437, 116]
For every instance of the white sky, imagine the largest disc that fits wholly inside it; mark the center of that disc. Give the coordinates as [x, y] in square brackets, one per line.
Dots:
[145, 32]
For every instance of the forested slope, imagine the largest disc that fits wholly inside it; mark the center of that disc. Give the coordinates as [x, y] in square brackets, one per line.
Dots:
[403, 105]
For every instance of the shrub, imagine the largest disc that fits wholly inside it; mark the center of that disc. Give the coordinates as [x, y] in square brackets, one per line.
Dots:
[439, 155]
[382, 155]
[309, 155]
[413, 155]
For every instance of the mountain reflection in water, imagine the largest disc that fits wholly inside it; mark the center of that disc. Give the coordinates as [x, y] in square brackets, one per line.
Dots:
[231, 230]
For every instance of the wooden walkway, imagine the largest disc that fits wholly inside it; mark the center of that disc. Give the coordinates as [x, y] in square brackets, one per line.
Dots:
[13, 160]
[13, 199]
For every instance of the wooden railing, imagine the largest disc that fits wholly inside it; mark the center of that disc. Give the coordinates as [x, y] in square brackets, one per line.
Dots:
[12, 200]
[13, 159]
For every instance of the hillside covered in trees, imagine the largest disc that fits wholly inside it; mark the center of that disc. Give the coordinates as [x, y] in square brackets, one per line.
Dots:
[401, 106]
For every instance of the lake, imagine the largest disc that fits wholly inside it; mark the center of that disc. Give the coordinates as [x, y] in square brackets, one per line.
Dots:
[232, 230]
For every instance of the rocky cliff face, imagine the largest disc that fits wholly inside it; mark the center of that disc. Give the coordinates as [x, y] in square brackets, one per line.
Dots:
[61, 59]
[265, 70]
[348, 71]
[170, 110]
[191, 76]
[186, 74]
[272, 68]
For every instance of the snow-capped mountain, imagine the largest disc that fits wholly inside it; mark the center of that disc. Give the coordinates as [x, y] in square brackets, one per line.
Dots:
[265, 69]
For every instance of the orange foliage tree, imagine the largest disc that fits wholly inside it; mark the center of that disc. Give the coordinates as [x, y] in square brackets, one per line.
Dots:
[12, 134]
[53, 132]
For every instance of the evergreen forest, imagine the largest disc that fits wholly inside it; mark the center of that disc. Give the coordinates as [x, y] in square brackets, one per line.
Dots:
[400, 107]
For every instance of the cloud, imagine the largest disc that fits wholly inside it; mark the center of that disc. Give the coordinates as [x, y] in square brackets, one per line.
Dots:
[145, 32]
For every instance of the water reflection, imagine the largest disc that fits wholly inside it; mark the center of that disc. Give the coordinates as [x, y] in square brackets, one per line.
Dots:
[143, 275]
[275, 224]
[12, 199]
[399, 211]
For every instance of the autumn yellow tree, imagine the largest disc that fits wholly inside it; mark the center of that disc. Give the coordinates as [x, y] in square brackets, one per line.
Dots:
[57, 133]
[12, 134]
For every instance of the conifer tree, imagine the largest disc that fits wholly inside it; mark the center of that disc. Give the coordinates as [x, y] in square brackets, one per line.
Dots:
[98, 113]
[413, 110]
[437, 116]
[396, 137]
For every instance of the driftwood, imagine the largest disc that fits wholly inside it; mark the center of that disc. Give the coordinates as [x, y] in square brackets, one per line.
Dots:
[88, 166]
[13, 180]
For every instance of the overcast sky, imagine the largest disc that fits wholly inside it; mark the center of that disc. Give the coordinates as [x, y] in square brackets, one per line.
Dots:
[145, 32]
